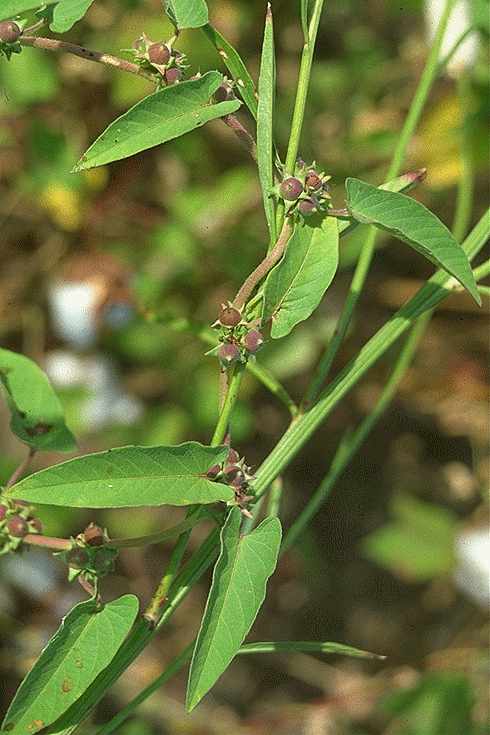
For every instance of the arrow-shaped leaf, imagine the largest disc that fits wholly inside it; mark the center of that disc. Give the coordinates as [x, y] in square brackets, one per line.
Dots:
[86, 642]
[237, 593]
[37, 414]
[160, 117]
[295, 287]
[413, 223]
[129, 477]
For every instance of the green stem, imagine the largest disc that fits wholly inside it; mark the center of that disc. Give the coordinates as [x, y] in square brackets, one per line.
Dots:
[464, 199]
[351, 442]
[228, 406]
[431, 70]
[300, 102]
[275, 496]
[482, 271]
[302, 88]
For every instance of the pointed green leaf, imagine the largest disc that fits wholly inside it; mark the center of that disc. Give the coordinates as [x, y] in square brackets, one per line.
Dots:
[404, 183]
[236, 595]
[413, 223]
[265, 121]
[295, 287]
[37, 414]
[84, 645]
[127, 477]
[160, 117]
[186, 13]
[10, 8]
[306, 647]
[233, 62]
[67, 13]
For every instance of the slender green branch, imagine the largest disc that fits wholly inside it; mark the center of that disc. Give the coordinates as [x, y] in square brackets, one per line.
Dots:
[275, 496]
[429, 75]
[19, 471]
[302, 88]
[154, 609]
[275, 387]
[230, 400]
[464, 198]
[351, 442]
[483, 270]
[176, 665]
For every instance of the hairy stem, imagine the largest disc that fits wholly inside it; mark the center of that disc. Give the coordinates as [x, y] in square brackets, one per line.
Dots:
[17, 474]
[52, 44]
[264, 267]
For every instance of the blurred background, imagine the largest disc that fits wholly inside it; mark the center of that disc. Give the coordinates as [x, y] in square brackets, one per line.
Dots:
[98, 274]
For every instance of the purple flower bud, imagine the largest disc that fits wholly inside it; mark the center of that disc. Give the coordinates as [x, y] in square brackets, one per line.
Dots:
[94, 535]
[307, 207]
[291, 189]
[313, 181]
[159, 53]
[229, 316]
[17, 526]
[228, 354]
[35, 525]
[233, 457]
[213, 472]
[231, 471]
[253, 341]
[10, 32]
[3, 512]
[224, 93]
[173, 75]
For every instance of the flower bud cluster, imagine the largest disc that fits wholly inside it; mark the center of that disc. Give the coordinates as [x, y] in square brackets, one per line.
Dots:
[161, 57]
[239, 340]
[307, 192]
[225, 92]
[16, 521]
[235, 473]
[90, 555]
[10, 32]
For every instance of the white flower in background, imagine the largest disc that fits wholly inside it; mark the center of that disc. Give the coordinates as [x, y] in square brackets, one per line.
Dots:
[472, 574]
[108, 403]
[459, 22]
[73, 310]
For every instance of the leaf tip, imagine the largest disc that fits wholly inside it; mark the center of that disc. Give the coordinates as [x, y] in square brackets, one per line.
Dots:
[268, 14]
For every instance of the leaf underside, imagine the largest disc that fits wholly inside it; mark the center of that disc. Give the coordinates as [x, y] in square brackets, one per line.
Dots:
[37, 416]
[10, 8]
[129, 477]
[295, 287]
[186, 13]
[236, 595]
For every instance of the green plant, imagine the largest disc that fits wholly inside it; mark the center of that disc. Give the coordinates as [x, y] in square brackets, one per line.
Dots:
[213, 482]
